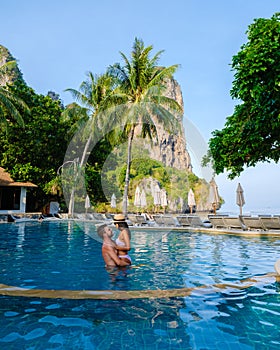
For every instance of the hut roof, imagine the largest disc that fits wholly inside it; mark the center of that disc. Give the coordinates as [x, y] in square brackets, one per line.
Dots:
[7, 181]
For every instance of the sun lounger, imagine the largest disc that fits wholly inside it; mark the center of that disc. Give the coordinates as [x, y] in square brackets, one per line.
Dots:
[217, 221]
[158, 220]
[270, 223]
[132, 220]
[109, 216]
[3, 218]
[140, 220]
[98, 216]
[12, 218]
[196, 221]
[169, 221]
[183, 220]
[233, 222]
[253, 223]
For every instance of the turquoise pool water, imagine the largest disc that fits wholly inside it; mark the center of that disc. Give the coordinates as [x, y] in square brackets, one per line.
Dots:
[214, 315]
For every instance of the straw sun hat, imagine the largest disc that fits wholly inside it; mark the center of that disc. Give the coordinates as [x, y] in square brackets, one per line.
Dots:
[119, 218]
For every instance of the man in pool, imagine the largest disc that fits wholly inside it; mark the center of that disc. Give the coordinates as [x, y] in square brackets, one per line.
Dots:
[109, 251]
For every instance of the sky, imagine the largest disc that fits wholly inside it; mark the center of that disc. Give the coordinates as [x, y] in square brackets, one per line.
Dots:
[56, 42]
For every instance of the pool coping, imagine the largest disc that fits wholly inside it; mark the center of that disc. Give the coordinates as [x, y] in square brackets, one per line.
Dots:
[15, 291]
[190, 229]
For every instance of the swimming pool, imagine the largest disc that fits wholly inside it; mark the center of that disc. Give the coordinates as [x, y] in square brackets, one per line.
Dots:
[216, 311]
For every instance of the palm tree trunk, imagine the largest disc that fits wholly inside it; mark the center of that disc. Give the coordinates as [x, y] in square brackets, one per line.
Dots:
[127, 174]
[85, 151]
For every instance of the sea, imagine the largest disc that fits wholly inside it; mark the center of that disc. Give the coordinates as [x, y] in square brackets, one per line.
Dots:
[249, 211]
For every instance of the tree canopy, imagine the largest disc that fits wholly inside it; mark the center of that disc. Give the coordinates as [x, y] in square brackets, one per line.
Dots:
[252, 133]
[35, 152]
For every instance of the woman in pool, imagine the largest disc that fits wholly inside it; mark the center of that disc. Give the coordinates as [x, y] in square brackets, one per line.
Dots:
[123, 240]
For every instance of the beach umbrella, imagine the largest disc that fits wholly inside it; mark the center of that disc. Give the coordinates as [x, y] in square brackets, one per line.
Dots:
[137, 199]
[87, 203]
[191, 200]
[240, 201]
[156, 195]
[113, 201]
[127, 201]
[163, 198]
[214, 198]
[181, 202]
[143, 201]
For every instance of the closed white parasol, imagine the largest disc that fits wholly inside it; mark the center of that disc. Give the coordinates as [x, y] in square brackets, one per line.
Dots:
[137, 199]
[240, 201]
[113, 201]
[143, 201]
[163, 198]
[191, 200]
[87, 203]
[214, 198]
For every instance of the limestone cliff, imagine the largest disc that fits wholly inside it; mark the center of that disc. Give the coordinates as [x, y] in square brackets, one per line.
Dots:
[11, 74]
[170, 149]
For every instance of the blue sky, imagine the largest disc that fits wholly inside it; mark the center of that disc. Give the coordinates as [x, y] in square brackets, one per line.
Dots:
[57, 42]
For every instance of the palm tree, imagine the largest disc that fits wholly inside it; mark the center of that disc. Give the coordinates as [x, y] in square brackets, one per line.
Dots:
[93, 96]
[9, 102]
[142, 96]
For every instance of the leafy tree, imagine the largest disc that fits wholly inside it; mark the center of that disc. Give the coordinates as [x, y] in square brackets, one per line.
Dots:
[35, 152]
[252, 133]
[141, 97]
[143, 168]
[92, 98]
[10, 104]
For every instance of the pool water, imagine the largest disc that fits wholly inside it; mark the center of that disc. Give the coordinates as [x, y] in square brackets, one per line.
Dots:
[65, 255]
